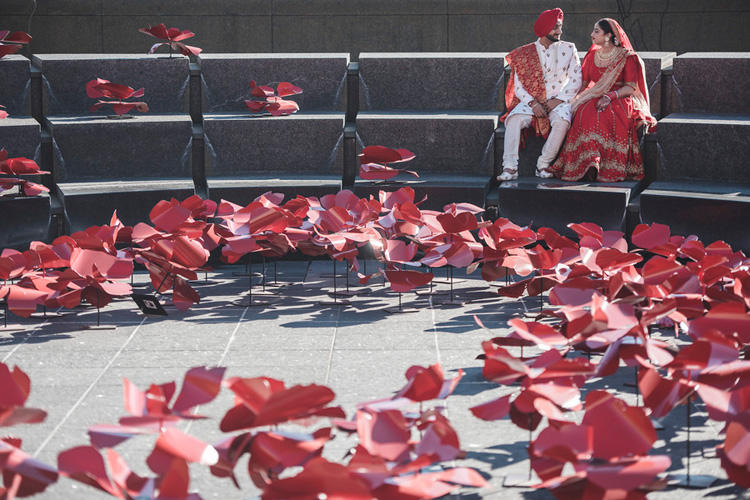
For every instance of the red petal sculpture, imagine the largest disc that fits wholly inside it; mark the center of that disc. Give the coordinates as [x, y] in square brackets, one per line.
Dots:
[173, 37]
[10, 44]
[266, 401]
[103, 88]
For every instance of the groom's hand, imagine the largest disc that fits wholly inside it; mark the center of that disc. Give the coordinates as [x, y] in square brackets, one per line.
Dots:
[551, 104]
[539, 110]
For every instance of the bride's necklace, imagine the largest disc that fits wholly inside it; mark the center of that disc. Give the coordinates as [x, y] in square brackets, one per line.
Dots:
[606, 57]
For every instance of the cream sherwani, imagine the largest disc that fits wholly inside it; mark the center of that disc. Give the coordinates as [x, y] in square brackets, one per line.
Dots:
[561, 68]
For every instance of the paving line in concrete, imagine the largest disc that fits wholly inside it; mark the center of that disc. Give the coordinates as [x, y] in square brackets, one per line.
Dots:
[88, 390]
[333, 345]
[232, 337]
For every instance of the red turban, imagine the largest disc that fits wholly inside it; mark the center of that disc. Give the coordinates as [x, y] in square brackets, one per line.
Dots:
[547, 21]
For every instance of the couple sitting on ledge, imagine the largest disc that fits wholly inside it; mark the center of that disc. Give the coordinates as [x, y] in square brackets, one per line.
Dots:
[602, 101]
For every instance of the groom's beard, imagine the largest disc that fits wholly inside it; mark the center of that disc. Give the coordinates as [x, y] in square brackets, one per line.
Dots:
[553, 38]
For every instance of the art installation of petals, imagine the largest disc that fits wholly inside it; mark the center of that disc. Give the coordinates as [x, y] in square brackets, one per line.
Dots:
[23, 475]
[493, 410]
[99, 87]
[673, 308]
[11, 43]
[265, 401]
[428, 383]
[635, 433]
[384, 434]
[405, 281]
[272, 101]
[319, 479]
[16, 388]
[374, 159]
[173, 38]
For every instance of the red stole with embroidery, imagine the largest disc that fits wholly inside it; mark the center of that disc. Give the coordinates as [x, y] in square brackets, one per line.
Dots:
[524, 62]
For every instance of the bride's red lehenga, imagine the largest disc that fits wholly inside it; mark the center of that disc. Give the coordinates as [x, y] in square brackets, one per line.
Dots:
[607, 140]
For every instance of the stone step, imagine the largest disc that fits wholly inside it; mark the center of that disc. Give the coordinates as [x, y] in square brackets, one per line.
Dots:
[226, 79]
[64, 78]
[244, 189]
[440, 190]
[20, 137]
[240, 144]
[92, 203]
[529, 155]
[24, 219]
[451, 142]
[431, 81]
[15, 75]
[554, 203]
[655, 63]
[705, 147]
[711, 82]
[710, 210]
[143, 145]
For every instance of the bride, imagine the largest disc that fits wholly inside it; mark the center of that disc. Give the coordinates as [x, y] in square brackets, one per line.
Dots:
[602, 143]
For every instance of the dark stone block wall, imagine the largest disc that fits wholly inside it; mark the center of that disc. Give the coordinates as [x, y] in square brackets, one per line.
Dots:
[106, 26]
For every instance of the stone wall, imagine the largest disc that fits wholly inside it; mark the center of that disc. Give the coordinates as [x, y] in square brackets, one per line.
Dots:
[107, 26]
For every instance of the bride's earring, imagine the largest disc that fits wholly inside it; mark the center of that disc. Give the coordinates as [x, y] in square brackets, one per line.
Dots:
[606, 42]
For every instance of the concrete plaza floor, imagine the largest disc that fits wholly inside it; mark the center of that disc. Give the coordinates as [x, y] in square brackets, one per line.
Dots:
[358, 350]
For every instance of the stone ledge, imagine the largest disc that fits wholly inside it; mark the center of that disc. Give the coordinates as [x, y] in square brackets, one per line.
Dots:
[655, 63]
[446, 81]
[443, 142]
[712, 82]
[95, 147]
[92, 203]
[15, 75]
[226, 78]
[554, 203]
[691, 143]
[24, 219]
[64, 78]
[711, 211]
[243, 190]
[242, 144]
[20, 137]
[440, 190]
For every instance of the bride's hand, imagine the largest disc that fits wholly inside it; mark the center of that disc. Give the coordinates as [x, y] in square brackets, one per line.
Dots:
[602, 103]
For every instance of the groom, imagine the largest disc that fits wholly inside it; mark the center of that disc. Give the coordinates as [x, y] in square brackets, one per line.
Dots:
[545, 76]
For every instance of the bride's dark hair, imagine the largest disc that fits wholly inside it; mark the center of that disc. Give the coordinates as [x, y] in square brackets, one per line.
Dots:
[607, 29]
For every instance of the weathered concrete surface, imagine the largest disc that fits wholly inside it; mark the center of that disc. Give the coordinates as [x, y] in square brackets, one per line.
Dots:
[366, 26]
[64, 79]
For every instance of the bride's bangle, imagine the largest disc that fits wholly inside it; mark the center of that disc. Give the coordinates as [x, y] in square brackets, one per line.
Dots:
[612, 95]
